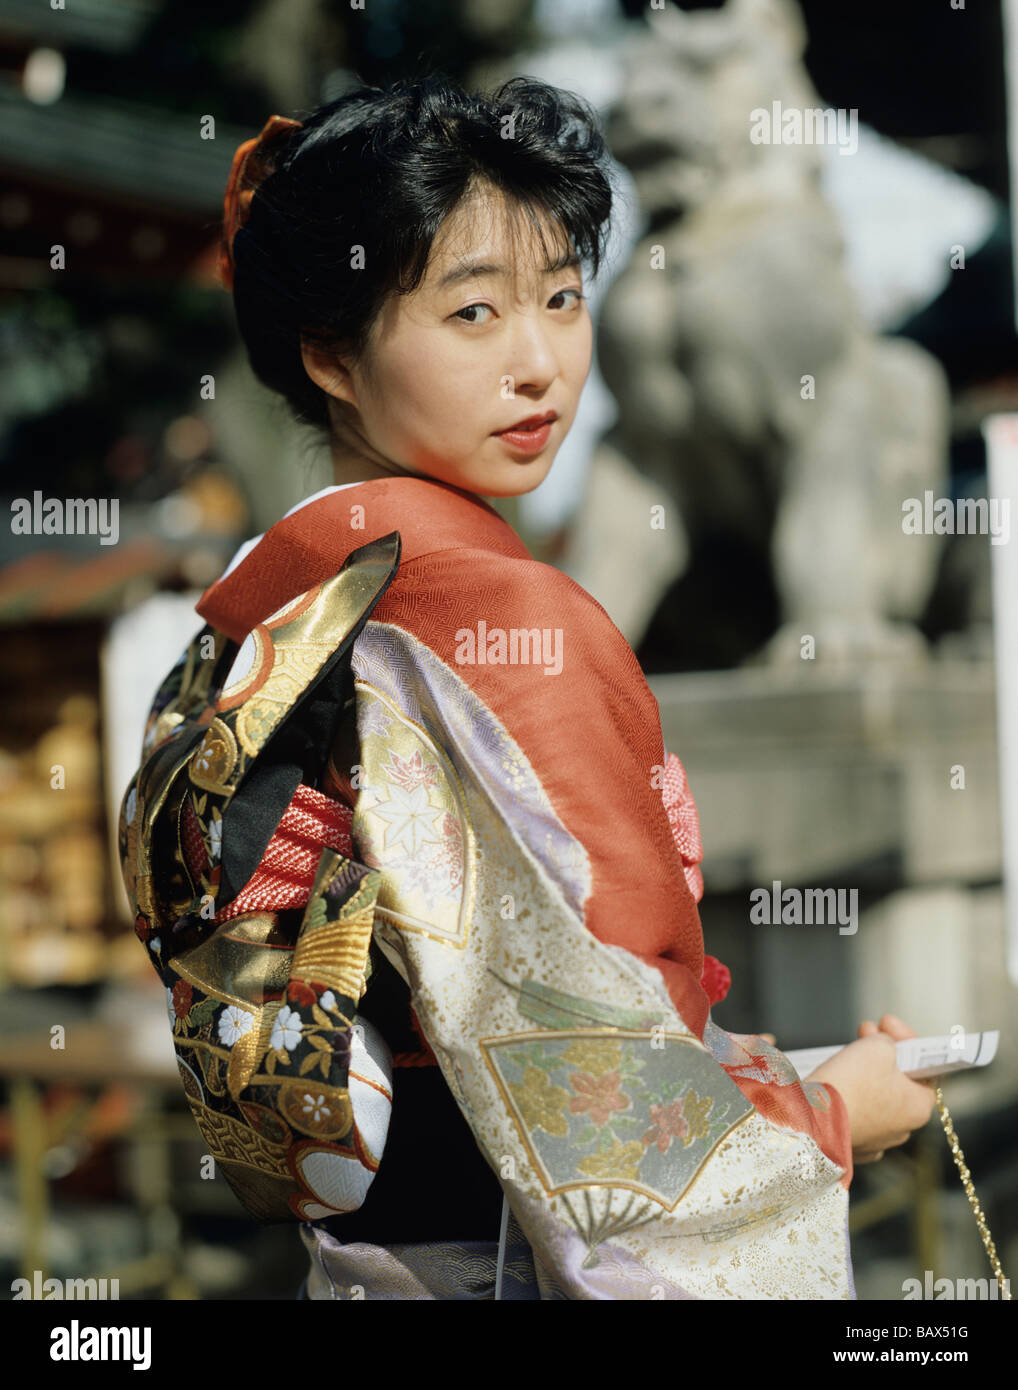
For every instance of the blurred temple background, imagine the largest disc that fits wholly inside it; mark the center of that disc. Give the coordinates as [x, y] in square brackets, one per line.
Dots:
[792, 340]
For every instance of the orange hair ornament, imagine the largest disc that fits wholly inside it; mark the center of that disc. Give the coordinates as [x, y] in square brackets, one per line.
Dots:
[252, 163]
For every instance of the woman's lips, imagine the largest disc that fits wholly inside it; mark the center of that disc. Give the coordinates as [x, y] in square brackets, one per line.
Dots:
[527, 441]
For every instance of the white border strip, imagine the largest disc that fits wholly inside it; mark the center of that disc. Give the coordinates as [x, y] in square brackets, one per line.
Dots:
[1001, 435]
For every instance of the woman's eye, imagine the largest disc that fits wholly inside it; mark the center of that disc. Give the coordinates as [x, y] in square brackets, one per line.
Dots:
[473, 309]
[469, 308]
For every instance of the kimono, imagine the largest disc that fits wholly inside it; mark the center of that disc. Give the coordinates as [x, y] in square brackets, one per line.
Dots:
[432, 949]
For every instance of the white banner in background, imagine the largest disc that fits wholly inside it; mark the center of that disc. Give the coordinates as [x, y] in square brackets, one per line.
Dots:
[1009, 17]
[140, 648]
[1001, 435]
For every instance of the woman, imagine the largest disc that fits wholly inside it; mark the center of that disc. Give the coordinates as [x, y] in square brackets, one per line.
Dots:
[479, 782]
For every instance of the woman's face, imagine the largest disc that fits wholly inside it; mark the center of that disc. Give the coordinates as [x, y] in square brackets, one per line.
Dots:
[492, 336]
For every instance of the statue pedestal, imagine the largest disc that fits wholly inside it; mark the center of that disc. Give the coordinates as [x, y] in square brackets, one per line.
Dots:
[815, 780]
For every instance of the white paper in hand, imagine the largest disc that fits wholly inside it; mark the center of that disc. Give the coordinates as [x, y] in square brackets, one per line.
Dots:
[917, 1057]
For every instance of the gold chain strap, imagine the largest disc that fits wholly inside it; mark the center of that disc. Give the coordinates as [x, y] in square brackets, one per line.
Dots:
[970, 1193]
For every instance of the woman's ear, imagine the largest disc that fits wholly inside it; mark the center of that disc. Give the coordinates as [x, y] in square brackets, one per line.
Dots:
[328, 371]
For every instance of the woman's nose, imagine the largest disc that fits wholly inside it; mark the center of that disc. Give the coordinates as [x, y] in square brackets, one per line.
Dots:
[532, 361]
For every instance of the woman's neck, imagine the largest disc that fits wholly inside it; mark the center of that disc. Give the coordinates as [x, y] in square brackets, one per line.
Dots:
[354, 460]
[350, 469]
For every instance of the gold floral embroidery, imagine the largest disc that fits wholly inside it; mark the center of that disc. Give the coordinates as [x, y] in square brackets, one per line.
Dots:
[215, 758]
[541, 1104]
[594, 1055]
[695, 1111]
[620, 1161]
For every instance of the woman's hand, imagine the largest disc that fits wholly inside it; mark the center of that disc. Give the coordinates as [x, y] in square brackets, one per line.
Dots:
[884, 1105]
[889, 1024]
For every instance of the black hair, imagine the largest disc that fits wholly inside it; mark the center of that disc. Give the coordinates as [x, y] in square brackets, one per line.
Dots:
[380, 169]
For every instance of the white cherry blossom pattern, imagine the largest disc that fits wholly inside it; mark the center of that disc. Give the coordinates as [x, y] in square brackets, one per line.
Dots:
[286, 1030]
[234, 1023]
[328, 1001]
[315, 1107]
[203, 759]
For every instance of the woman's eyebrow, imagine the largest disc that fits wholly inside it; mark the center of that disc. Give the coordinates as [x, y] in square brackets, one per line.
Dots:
[471, 270]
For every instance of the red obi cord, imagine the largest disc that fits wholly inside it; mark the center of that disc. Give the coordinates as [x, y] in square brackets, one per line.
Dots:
[284, 878]
[286, 875]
